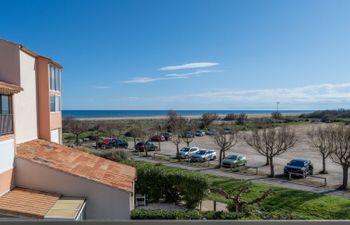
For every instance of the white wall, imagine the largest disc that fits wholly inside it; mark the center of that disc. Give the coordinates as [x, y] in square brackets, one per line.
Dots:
[55, 136]
[102, 202]
[7, 155]
[25, 103]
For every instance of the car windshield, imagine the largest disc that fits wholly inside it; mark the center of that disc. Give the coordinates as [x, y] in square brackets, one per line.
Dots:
[185, 150]
[233, 157]
[297, 163]
[202, 152]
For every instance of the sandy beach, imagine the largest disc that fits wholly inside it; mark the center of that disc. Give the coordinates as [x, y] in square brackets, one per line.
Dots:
[164, 117]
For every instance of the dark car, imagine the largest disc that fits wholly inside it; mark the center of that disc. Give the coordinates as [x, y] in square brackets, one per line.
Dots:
[158, 138]
[120, 143]
[149, 146]
[168, 136]
[188, 134]
[299, 166]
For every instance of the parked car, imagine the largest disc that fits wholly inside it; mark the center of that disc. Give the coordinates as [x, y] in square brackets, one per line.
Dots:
[227, 130]
[168, 136]
[200, 133]
[234, 160]
[299, 166]
[187, 152]
[203, 155]
[120, 143]
[158, 138]
[210, 132]
[105, 143]
[149, 146]
[112, 143]
[188, 134]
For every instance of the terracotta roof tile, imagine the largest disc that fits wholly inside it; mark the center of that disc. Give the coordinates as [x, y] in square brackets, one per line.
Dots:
[78, 163]
[27, 203]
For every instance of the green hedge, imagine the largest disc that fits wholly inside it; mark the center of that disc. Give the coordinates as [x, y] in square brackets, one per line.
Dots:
[172, 185]
[161, 214]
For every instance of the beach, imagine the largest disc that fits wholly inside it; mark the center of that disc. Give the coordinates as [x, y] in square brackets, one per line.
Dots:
[261, 115]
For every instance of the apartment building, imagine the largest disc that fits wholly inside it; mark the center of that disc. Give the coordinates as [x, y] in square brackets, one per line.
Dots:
[39, 177]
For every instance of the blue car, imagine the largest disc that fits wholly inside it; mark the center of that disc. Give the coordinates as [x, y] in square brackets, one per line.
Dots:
[303, 167]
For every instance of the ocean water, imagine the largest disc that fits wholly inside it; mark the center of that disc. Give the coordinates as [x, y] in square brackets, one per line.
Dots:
[150, 113]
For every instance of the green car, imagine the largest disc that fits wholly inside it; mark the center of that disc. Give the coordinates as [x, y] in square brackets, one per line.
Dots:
[234, 161]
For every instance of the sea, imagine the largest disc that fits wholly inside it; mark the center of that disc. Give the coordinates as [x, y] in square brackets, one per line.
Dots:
[153, 113]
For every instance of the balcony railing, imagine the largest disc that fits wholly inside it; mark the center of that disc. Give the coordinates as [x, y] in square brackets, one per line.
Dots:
[6, 124]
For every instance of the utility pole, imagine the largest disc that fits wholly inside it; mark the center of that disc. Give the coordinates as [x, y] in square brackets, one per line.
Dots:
[277, 103]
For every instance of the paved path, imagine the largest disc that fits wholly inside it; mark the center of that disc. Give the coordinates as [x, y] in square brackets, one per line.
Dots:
[255, 178]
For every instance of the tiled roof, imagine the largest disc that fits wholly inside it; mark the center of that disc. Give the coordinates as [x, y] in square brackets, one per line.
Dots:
[6, 88]
[78, 163]
[27, 203]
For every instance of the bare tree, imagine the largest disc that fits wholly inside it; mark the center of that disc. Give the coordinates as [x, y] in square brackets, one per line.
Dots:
[176, 139]
[237, 203]
[241, 119]
[341, 151]
[322, 140]
[208, 118]
[271, 142]
[76, 127]
[135, 131]
[189, 128]
[225, 141]
[172, 120]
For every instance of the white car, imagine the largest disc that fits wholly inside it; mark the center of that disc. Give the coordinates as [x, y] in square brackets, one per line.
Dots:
[204, 155]
[200, 133]
[187, 152]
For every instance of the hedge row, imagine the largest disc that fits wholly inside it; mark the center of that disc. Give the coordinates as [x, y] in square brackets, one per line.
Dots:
[170, 184]
[161, 214]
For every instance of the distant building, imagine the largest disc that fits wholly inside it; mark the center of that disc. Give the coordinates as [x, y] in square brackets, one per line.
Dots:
[39, 177]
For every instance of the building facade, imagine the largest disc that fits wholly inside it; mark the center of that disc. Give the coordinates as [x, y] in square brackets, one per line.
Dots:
[31, 149]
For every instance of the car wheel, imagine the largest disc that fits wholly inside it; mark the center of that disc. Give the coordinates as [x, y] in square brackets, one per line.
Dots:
[214, 157]
[311, 172]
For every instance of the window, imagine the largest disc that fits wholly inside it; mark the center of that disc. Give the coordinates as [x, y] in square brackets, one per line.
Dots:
[5, 104]
[55, 78]
[55, 103]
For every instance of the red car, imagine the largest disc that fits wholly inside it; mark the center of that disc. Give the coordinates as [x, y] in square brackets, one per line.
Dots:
[158, 138]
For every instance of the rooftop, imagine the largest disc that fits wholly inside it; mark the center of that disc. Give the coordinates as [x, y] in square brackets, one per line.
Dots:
[78, 163]
[27, 203]
[22, 202]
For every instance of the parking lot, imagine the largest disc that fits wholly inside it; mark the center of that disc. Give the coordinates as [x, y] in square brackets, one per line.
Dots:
[302, 149]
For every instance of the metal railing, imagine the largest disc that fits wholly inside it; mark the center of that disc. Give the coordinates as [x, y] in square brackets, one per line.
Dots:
[6, 124]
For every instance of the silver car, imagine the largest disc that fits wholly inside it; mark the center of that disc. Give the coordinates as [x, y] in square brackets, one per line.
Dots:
[187, 152]
[204, 155]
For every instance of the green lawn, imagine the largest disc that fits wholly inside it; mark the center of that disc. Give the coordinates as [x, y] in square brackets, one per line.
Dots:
[286, 202]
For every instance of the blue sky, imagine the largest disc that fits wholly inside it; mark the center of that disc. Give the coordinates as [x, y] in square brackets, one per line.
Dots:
[190, 54]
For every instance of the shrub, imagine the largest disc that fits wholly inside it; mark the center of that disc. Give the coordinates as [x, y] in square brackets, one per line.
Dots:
[241, 119]
[230, 117]
[220, 215]
[172, 185]
[161, 214]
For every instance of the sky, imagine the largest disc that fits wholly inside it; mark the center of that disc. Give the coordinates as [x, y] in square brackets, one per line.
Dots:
[190, 54]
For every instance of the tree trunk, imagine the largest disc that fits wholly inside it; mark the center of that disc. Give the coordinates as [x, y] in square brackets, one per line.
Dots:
[177, 152]
[267, 161]
[324, 170]
[77, 139]
[134, 142]
[345, 178]
[272, 169]
[188, 144]
[158, 145]
[220, 158]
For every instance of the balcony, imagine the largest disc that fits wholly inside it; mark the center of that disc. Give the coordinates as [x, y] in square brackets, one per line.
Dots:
[6, 124]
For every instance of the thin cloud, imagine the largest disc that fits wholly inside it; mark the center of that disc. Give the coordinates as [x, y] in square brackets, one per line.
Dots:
[305, 95]
[142, 80]
[189, 66]
[101, 87]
